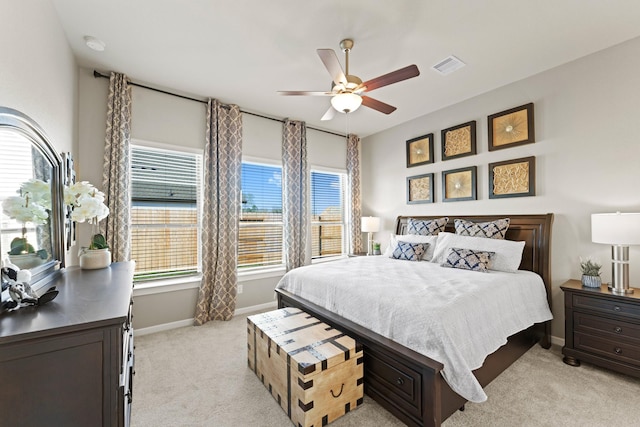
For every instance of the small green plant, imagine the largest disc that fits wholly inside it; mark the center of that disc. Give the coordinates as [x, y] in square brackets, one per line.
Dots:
[590, 267]
[98, 241]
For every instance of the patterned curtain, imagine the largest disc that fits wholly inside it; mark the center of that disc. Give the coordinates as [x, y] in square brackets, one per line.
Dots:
[117, 167]
[295, 175]
[353, 191]
[221, 206]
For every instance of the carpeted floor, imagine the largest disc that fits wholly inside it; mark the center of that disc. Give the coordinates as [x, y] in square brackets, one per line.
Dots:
[198, 376]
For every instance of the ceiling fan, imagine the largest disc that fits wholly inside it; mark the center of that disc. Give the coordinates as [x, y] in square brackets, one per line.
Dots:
[346, 89]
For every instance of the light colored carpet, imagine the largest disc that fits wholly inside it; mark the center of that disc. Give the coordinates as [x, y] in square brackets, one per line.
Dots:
[198, 376]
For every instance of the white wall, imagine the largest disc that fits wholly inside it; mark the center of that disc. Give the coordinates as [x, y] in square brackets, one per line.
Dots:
[587, 153]
[38, 71]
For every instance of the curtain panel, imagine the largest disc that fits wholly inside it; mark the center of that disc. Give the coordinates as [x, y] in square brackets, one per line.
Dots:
[354, 197]
[117, 168]
[220, 213]
[295, 192]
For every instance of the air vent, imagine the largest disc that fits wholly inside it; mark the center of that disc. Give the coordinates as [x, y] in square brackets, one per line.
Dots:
[448, 65]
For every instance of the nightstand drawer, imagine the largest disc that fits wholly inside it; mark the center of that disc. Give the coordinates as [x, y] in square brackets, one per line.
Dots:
[607, 306]
[617, 350]
[603, 326]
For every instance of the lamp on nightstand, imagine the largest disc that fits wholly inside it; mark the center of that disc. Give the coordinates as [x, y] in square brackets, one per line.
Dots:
[620, 230]
[370, 225]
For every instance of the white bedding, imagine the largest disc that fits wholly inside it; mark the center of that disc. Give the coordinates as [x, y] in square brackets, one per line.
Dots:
[456, 317]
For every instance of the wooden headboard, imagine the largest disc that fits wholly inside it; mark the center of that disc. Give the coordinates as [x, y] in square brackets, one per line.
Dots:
[534, 230]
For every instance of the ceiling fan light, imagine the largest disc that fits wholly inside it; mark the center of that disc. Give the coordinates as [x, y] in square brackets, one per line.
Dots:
[346, 102]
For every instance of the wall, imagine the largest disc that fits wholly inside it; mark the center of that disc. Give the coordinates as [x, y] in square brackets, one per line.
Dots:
[38, 72]
[587, 150]
[171, 120]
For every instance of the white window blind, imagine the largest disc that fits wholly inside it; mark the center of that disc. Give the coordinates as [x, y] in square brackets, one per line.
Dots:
[327, 214]
[165, 189]
[260, 240]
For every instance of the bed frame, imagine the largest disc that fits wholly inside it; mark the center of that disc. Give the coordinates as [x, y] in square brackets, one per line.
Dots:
[409, 384]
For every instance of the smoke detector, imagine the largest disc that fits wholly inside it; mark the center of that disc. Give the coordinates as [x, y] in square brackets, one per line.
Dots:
[94, 43]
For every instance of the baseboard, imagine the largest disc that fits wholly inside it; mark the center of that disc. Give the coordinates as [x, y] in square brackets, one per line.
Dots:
[189, 322]
[557, 341]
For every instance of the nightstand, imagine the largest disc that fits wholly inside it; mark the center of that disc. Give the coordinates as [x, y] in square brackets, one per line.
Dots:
[601, 328]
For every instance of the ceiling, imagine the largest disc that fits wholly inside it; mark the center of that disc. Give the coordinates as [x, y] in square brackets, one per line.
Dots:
[243, 51]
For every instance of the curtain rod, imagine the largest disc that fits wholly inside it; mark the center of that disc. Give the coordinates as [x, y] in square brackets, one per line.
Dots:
[97, 74]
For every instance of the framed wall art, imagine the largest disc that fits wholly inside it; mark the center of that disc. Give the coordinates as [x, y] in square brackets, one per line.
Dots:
[511, 128]
[420, 150]
[459, 141]
[512, 178]
[459, 184]
[69, 178]
[420, 189]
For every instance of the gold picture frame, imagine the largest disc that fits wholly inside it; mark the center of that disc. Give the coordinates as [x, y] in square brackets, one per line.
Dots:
[512, 178]
[420, 150]
[511, 128]
[459, 184]
[420, 189]
[459, 141]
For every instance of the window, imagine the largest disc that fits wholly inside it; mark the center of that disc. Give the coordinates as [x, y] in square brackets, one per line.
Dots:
[165, 189]
[260, 240]
[327, 214]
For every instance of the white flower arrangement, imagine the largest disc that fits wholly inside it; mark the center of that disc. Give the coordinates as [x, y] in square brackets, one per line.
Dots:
[88, 205]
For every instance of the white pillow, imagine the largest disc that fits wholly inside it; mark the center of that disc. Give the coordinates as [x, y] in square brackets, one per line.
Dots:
[412, 238]
[508, 253]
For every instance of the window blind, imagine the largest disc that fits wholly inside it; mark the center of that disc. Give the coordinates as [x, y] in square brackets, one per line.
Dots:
[327, 214]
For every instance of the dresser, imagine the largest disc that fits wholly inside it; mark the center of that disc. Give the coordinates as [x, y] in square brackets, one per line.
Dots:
[70, 362]
[601, 328]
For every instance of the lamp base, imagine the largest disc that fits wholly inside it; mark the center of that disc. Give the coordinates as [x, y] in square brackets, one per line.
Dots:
[619, 291]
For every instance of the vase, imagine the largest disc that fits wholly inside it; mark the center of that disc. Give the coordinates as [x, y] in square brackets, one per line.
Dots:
[591, 281]
[26, 261]
[92, 259]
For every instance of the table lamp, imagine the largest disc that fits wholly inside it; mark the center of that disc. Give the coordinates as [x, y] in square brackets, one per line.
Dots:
[370, 225]
[620, 230]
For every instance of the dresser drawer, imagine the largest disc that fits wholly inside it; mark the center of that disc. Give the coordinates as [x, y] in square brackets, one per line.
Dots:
[613, 328]
[607, 306]
[617, 350]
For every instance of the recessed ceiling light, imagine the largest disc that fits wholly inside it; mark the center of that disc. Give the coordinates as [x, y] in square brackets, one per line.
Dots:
[94, 43]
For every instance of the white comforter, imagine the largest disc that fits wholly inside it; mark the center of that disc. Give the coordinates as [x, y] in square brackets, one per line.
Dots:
[454, 316]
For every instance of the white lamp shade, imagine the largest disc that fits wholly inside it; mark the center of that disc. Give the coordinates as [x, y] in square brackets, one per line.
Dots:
[616, 228]
[370, 224]
[346, 102]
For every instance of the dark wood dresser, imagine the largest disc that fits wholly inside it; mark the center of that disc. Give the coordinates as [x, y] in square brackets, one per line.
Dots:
[70, 362]
[602, 328]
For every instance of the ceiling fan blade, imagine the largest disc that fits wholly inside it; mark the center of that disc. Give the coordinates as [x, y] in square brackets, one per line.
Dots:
[329, 114]
[330, 61]
[378, 105]
[302, 92]
[390, 78]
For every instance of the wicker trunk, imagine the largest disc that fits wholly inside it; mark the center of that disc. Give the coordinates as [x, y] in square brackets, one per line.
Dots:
[313, 371]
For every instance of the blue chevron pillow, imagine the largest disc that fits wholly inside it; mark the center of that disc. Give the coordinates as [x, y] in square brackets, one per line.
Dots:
[468, 259]
[409, 251]
[493, 229]
[426, 227]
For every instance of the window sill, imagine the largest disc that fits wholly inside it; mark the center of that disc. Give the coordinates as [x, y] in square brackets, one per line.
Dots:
[263, 273]
[167, 285]
[329, 259]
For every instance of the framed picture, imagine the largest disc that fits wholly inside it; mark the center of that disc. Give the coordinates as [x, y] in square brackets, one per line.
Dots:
[511, 128]
[512, 178]
[459, 141]
[68, 178]
[420, 189]
[420, 150]
[459, 184]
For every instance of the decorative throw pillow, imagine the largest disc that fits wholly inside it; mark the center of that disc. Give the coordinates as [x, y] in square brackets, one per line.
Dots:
[508, 253]
[493, 229]
[409, 251]
[411, 238]
[426, 227]
[468, 259]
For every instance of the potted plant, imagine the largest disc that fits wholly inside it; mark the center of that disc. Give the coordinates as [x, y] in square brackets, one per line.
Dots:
[590, 273]
[87, 204]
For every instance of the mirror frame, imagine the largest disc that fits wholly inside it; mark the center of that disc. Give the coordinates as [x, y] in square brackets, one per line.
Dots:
[21, 123]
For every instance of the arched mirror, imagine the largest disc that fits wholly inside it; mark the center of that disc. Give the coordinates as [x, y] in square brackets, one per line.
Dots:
[31, 198]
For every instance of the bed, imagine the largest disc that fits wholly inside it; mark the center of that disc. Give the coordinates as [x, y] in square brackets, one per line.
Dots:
[410, 384]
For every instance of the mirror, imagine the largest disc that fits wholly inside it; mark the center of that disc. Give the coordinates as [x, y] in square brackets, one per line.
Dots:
[31, 201]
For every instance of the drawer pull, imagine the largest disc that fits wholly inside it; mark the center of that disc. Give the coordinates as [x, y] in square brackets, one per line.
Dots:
[341, 388]
[616, 308]
[617, 329]
[618, 350]
[400, 381]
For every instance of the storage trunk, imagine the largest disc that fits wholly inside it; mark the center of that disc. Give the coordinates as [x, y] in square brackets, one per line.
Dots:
[312, 370]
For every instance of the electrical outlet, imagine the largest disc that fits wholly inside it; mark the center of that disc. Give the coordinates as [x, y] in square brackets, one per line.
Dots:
[240, 289]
